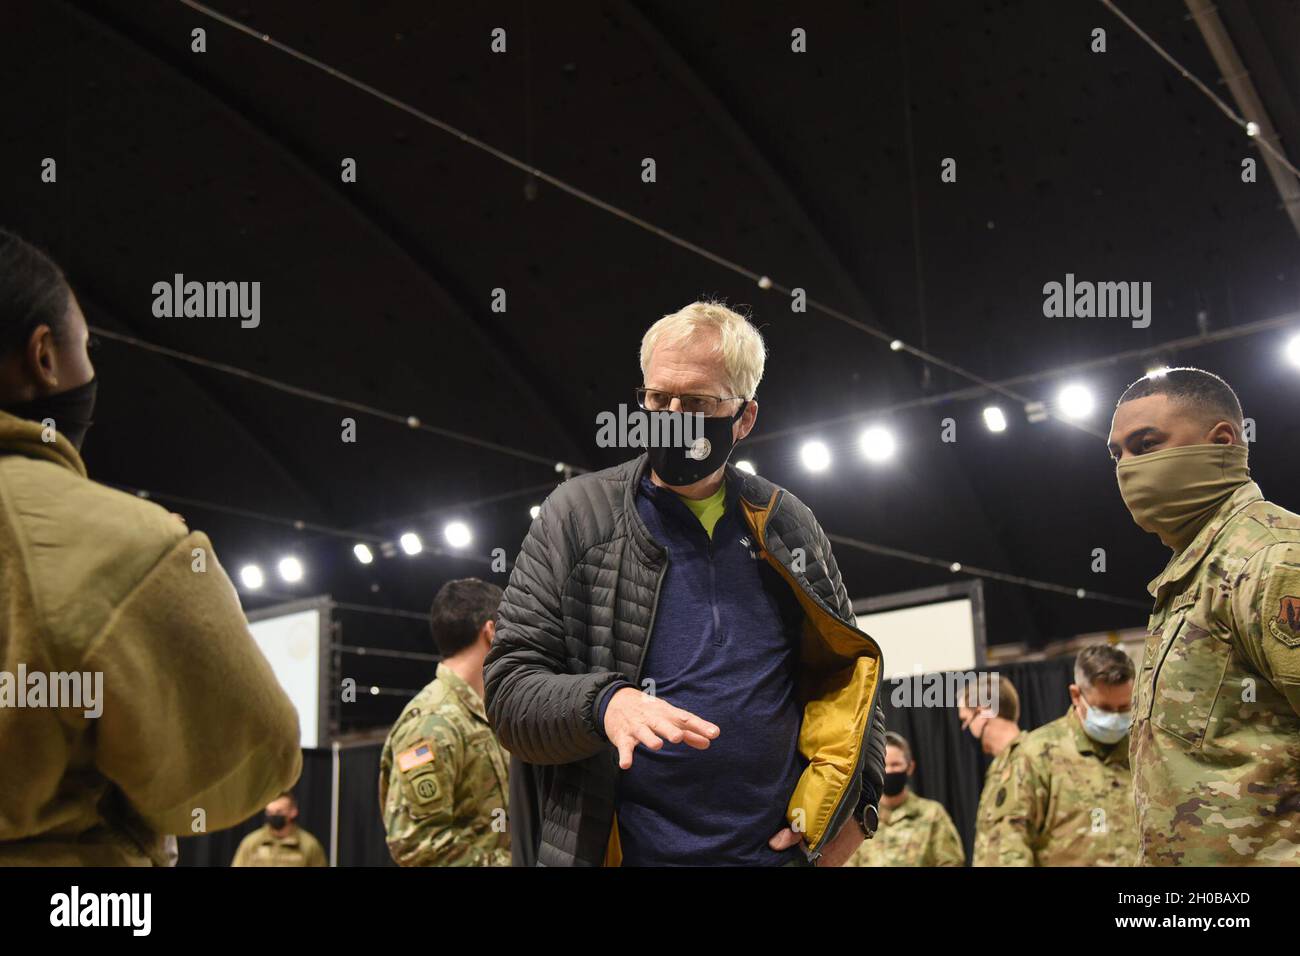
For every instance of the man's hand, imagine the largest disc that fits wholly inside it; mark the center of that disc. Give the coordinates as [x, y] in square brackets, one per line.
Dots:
[632, 718]
[835, 853]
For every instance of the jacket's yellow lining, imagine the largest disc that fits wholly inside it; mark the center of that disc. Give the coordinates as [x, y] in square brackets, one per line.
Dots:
[614, 851]
[839, 673]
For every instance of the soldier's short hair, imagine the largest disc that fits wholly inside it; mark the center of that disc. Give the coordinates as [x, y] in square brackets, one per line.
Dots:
[1102, 664]
[976, 692]
[1194, 388]
[893, 739]
[459, 612]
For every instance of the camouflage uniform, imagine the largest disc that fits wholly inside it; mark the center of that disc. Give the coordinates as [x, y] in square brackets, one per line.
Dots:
[917, 832]
[1069, 802]
[996, 781]
[264, 848]
[1215, 744]
[443, 780]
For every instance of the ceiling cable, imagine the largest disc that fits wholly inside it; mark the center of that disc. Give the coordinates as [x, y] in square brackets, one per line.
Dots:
[410, 421]
[298, 524]
[763, 281]
[1169, 348]
[1217, 100]
[857, 543]
[957, 567]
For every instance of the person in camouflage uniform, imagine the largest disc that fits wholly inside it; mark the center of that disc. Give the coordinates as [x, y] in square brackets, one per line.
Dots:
[1215, 745]
[280, 841]
[997, 729]
[442, 776]
[913, 831]
[1069, 794]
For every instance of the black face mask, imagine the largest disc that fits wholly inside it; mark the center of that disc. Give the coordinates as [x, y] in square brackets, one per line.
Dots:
[70, 411]
[686, 464]
[276, 821]
[895, 782]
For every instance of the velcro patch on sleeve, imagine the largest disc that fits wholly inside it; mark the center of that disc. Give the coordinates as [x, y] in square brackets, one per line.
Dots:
[1286, 626]
[417, 756]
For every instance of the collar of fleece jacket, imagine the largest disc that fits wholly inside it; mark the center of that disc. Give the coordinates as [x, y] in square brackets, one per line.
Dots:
[18, 436]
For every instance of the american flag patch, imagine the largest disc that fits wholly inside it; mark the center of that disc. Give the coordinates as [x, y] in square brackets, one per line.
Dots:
[417, 756]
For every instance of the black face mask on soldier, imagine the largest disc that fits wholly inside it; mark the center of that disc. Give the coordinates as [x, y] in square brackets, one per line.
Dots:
[895, 782]
[276, 821]
[686, 463]
[70, 411]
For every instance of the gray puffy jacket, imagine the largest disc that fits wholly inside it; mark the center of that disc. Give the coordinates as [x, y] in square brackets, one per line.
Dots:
[577, 616]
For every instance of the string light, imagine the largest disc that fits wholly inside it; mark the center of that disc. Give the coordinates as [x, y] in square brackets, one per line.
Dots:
[994, 420]
[878, 444]
[1036, 410]
[815, 456]
[291, 570]
[1293, 350]
[251, 576]
[1076, 401]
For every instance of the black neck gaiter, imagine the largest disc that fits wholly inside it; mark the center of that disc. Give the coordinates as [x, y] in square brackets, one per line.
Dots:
[70, 410]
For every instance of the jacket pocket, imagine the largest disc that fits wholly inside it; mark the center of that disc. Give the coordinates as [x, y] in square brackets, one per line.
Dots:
[1186, 682]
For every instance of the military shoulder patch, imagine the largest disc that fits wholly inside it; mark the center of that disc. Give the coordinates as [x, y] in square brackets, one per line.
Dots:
[1287, 623]
[417, 756]
[426, 787]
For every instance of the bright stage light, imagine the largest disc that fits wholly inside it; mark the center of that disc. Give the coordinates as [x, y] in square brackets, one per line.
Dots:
[411, 543]
[877, 444]
[746, 466]
[251, 576]
[994, 420]
[1293, 350]
[1076, 401]
[534, 511]
[290, 569]
[457, 534]
[815, 456]
[363, 553]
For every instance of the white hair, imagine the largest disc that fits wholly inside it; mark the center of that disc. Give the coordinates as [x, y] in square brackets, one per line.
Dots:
[739, 343]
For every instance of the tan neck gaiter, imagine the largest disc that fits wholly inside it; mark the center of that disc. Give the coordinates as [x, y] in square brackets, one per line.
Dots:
[1172, 493]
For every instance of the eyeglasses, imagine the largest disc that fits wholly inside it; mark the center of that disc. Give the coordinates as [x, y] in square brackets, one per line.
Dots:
[657, 400]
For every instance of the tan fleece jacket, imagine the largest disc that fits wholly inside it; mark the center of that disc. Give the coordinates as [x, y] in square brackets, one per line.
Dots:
[194, 733]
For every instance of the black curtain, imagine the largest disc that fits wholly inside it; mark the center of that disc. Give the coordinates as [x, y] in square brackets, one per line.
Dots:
[527, 788]
[361, 829]
[361, 825]
[949, 762]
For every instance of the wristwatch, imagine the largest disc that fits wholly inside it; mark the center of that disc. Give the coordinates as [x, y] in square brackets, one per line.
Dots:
[866, 814]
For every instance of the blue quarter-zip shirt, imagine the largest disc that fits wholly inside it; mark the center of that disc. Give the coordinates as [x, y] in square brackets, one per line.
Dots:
[724, 647]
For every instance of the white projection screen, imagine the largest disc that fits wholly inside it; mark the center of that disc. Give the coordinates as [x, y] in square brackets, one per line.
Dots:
[927, 631]
[292, 637]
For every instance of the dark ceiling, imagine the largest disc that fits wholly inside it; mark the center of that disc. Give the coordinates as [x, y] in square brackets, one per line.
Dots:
[225, 165]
